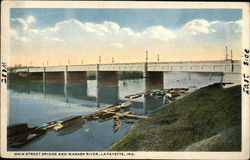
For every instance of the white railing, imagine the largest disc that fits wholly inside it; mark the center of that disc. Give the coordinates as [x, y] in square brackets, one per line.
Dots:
[194, 66]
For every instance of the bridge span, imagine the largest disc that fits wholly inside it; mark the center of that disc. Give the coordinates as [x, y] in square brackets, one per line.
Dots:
[107, 74]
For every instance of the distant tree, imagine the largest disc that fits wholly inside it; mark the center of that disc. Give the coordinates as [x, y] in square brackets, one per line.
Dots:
[18, 66]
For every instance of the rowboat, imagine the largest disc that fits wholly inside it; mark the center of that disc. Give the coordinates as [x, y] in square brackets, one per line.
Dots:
[133, 96]
[25, 138]
[18, 128]
[172, 94]
[65, 122]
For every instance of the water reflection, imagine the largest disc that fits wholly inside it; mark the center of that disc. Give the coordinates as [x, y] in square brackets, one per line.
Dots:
[108, 94]
[44, 102]
[69, 130]
[151, 103]
[78, 94]
[88, 94]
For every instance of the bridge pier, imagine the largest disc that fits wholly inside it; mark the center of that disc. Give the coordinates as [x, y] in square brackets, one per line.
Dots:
[232, 77]
[107, 83]
[76, 77]
[107, 78]
[210, 76]
[189, 76]
[150, 103]
[53, 77]
[154, 80]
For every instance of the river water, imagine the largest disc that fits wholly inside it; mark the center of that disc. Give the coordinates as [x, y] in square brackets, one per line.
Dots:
[36, 105]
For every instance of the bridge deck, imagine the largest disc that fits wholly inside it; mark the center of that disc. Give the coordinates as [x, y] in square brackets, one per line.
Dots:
[194, 66]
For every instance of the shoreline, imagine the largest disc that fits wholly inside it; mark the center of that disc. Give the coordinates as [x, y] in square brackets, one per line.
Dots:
[175, 127]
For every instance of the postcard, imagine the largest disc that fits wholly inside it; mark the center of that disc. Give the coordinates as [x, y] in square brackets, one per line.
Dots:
[125, 80]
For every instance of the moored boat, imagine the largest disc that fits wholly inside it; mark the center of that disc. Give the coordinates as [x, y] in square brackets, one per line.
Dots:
[25, 138]
[172, 94]
[18, 128]
[65, 122]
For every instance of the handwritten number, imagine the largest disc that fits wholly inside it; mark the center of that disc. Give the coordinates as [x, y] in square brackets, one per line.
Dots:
[246, 57]
[4, 72]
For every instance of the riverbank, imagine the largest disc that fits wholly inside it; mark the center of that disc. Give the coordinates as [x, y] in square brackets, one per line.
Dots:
[14, 79]
[208, 119]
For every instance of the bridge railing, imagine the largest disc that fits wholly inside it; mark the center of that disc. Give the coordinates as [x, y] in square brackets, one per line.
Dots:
[21, 70]
[122, 67]
[201, 66]
[192, 66]
[90, 67]
[36, 69]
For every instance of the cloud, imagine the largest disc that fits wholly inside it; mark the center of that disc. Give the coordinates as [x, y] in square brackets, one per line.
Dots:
[197, 26]
[25, 22]
[210, 32]
[88, 27]
[89, 33]
[159, 33]
[30, 19]
[203, 26]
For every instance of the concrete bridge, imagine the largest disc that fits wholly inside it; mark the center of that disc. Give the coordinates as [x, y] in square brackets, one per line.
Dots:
[107, 74]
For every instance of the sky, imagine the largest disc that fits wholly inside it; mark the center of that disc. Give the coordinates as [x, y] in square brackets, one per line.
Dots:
[41, 36]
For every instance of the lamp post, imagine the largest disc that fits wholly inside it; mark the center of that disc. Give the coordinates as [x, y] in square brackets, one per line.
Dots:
[100, 59]
[226, 54]
[231, 55]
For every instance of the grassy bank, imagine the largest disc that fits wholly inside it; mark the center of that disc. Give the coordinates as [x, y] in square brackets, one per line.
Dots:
[206, 120]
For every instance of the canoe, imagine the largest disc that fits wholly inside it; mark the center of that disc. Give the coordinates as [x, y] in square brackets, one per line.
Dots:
[25, 138]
